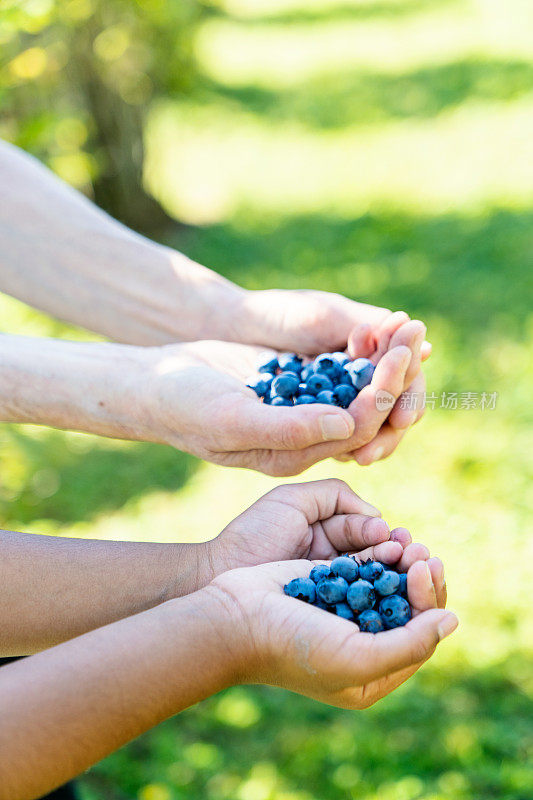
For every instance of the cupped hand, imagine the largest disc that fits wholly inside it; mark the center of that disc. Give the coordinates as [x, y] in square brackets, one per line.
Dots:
[279, 640]
[197, 401]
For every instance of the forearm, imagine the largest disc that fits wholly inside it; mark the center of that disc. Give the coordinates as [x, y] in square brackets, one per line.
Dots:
[93, 694]
[61, 254]
[53, 589]
[96, 388]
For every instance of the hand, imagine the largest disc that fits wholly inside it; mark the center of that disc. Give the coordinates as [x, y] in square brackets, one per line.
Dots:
[195, 399]
[279, 640]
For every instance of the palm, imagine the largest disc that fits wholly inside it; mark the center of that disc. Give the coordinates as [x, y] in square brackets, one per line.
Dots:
[317, 654]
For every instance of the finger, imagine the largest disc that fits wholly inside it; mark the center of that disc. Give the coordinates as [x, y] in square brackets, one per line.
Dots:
[439, 582]
[420, 588]
[425, 350]
[413, 552]
[410, 406]
[402, 536]
[368, 411]
[386, 552]
[386, 331]
[410, 335]
[361, 342]
[350, 532]
[320, 500]
[403, 647]
[254, 425]
[385, 442]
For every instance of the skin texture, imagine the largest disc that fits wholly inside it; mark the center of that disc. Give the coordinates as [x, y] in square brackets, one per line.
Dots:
[94, 272]
[97, 691]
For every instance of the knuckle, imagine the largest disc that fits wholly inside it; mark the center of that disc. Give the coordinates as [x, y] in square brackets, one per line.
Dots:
[293, 434]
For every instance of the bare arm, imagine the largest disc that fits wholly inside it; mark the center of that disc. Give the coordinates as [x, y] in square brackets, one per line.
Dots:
[56, 588]
[60, 253]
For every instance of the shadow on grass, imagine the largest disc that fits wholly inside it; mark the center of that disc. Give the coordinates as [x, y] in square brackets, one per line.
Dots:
[68, 486]
[340, 99]
[457, 734]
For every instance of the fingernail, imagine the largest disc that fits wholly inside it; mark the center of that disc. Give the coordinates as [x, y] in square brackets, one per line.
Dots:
[429, 579]
[447, 625]
[335, 427]
[378, 453]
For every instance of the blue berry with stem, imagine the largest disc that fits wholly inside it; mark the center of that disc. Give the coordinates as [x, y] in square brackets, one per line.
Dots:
[276, 400]
[370, 570]
[269, 366]
[317, 382]
[285, 384]
[326, 364]
[326, 397]
[402, 589]
[290, 362]
[319, 572]
[261, 385]
[387, 583]
[344, 395]
[343, 610]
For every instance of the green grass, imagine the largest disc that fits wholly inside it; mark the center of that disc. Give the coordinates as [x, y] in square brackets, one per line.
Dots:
[381, 150]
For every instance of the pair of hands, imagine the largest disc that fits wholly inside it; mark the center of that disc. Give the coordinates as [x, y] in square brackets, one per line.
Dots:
[267, 637]
[199, 401]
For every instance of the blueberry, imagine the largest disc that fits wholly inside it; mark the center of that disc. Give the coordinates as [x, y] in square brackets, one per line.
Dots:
[345, 379]
[326, 364]
[286, 384]
[402, 589]
[345, 567]
[325, 396]
[395, 611]
[387, 583]
[344, 395]
[302, 588]
[276, 400]
[318, 382]
[269, 366]
[305, 400]
[261, 385]
[320, 604]
[306, 372]
[370, 622]
[360, 371]
[288, 361]
[320, 571]
[332, 590]
[340, 358]
[370, 570]
[343, 610]
[360, 596]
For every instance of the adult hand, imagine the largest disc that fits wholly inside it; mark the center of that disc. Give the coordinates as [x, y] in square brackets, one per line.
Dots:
[279, 640]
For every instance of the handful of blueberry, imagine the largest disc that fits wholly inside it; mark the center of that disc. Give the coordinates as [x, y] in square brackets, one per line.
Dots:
[331, 379]
[369, 593]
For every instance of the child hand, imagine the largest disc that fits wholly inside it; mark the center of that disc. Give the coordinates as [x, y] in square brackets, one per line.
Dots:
[278, 640]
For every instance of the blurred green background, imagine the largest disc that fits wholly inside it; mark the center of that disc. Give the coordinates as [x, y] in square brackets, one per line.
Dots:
[379, 148]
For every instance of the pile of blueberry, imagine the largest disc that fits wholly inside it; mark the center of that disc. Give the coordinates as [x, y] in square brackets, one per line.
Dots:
[368, 593]
[331, 379]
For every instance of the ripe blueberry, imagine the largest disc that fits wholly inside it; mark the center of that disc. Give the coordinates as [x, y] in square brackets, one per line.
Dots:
[276, 400]
[320, 571]
[307, 371]
[345, 567]
[387, 583]
[326, 364]
[286, 384]
[344, 395]
[370, 570]
[360, 596]
[402, 589]
[318, 382]
[269, 366]
[332, 590]
[302, 588]
[361, 371]
[261, 385]
[395, 611]
[305, 400]
[287, 361]
[370, 622]
[340, 358]
[325, 396]
[343, 610]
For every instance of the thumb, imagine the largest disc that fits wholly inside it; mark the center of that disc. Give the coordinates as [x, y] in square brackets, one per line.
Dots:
[261, 426]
